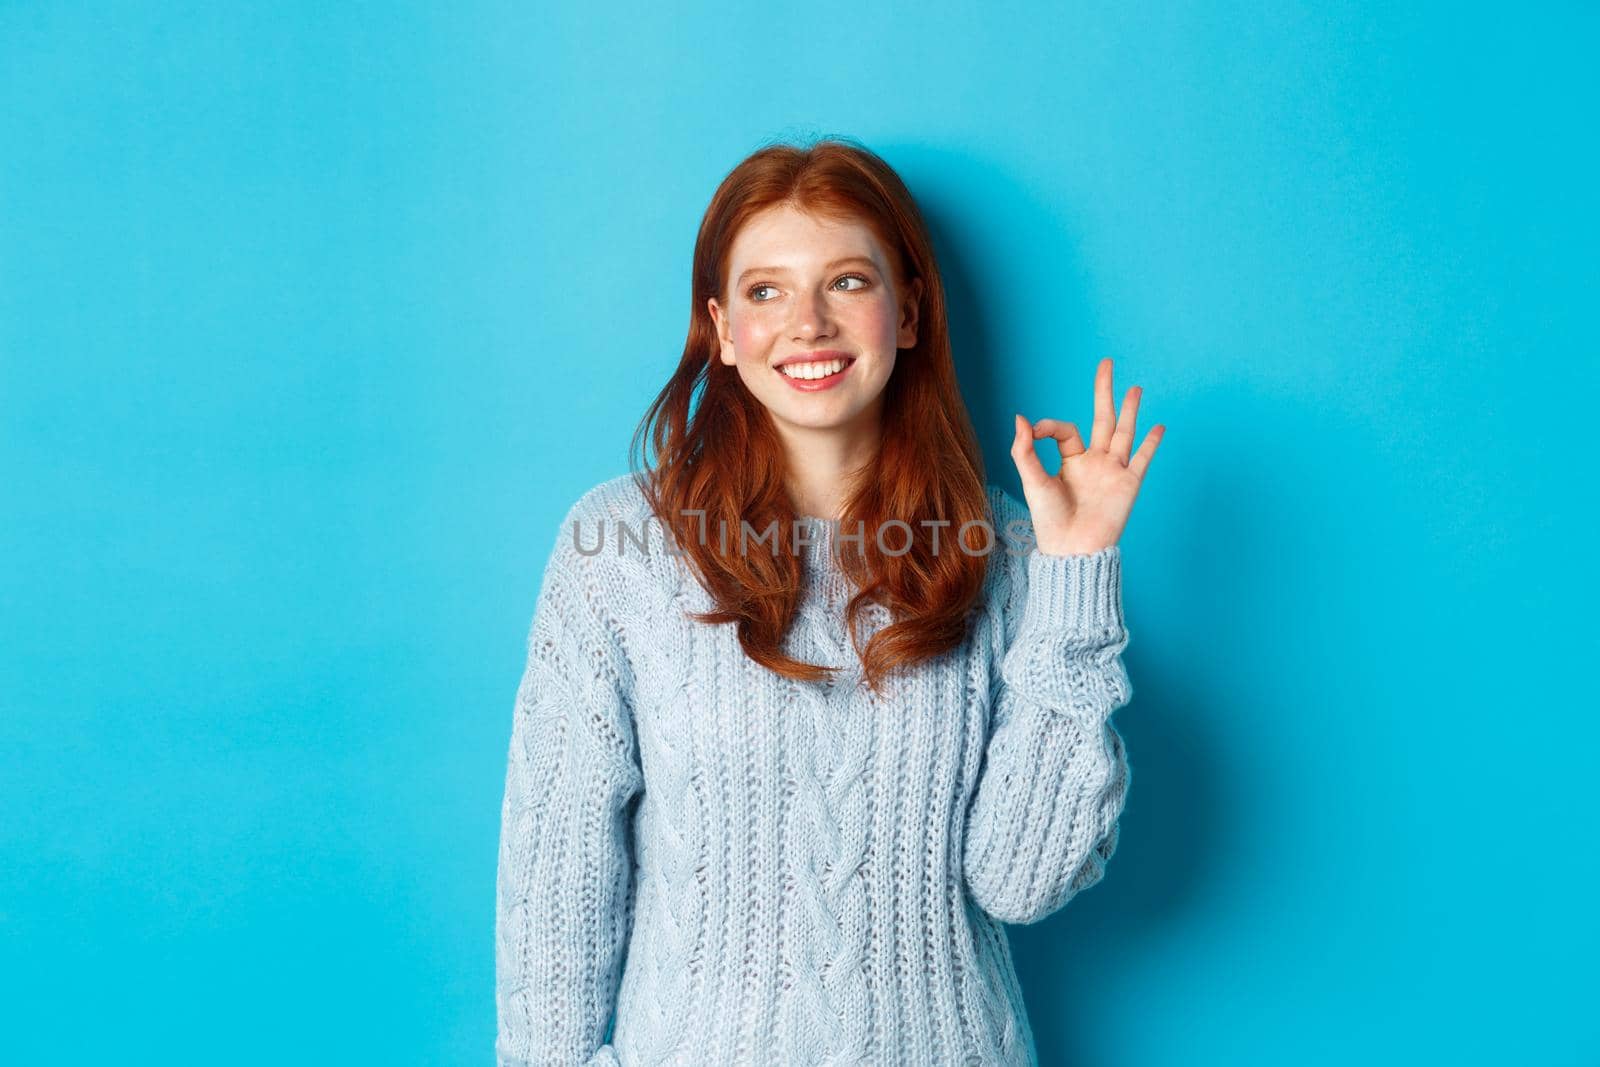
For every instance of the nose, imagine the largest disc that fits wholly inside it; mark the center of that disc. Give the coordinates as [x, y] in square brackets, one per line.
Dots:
[811, 317]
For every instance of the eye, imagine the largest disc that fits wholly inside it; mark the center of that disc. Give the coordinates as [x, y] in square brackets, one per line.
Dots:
[754, 291]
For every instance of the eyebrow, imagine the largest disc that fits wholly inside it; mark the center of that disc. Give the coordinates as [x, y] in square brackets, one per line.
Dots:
[781, 270]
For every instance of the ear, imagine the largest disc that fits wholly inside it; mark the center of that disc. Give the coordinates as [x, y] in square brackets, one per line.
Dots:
[908, 316]
[724, 333]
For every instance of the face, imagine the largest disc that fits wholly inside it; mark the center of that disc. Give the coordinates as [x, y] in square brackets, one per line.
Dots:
[813, 320]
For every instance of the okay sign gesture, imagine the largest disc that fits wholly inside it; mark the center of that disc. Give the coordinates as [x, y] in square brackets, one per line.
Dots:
[1084, 506]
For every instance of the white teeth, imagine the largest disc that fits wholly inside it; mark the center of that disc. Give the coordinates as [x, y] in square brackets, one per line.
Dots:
[812, 371]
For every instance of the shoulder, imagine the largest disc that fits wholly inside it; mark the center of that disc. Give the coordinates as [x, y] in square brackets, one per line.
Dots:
[1004, 510]
[606, 520]
[608, 540]
[1013, 539]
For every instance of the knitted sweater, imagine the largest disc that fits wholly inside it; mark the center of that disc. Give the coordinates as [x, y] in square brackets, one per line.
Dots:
[745, 869]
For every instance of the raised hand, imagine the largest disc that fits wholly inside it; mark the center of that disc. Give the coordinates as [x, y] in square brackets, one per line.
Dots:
[1084, 506]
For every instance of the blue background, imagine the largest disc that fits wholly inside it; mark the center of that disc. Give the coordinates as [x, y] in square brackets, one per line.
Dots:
[313, 322]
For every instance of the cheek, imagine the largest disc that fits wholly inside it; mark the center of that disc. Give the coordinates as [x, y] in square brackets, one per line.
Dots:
[751, 334]
[875, 320]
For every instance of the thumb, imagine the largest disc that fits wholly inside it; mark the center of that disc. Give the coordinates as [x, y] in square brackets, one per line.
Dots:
[1023, 455]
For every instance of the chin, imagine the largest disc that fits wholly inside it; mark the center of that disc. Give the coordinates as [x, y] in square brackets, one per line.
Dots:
[812, 421]
[818, 420]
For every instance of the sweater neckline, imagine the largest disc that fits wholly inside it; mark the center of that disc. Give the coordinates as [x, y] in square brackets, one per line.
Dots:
[821, 570]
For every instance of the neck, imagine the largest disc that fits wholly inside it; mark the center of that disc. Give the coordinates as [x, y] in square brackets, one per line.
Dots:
[824, 463]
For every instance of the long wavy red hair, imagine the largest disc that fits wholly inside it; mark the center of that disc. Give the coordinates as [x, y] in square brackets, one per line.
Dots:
[717, 452]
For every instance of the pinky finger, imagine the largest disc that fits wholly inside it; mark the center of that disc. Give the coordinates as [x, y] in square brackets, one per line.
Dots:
[1152, 440]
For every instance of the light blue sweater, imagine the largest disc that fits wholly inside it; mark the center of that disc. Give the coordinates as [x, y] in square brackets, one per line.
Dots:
[750, 870]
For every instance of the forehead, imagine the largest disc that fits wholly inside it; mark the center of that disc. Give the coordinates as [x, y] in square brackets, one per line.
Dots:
[783, 235]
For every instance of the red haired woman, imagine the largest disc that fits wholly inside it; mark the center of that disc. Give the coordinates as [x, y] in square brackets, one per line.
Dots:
[775, 783]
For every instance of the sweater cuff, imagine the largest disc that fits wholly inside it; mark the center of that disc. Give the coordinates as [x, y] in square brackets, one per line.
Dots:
[1076, 598]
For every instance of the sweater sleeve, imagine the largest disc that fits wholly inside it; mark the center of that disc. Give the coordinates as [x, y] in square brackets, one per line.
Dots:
[1043, 820]
[564, 884]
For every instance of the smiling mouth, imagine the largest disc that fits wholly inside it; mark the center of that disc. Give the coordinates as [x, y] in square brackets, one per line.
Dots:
[816, 370]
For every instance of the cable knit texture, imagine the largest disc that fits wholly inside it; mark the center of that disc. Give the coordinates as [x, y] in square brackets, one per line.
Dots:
[703, 862]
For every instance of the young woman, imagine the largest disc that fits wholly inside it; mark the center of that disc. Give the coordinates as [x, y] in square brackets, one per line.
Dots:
[776, 782]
